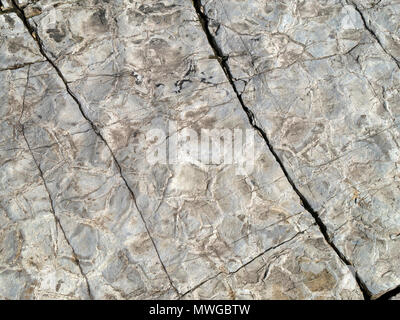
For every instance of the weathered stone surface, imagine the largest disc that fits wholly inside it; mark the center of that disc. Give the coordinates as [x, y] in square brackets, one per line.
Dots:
[325, 91]
[288, 272]
[382, 19]
[16, 45]
[35, 258]
[97, 214]
[80, 198]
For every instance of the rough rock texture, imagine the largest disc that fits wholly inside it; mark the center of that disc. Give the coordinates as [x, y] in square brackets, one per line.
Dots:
[84, 214]
[288, 272]
[324, 89]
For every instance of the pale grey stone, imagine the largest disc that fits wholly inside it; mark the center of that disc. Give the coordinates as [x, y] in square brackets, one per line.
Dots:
[299, 269]
[16, 45]
[35, 259]
[85, 215]
[382, 19]
[324, 90]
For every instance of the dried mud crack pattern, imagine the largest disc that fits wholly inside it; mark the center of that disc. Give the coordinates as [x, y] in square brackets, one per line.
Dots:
[83, 214]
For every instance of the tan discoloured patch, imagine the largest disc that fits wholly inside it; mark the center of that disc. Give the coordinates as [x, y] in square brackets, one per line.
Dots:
[320, 282]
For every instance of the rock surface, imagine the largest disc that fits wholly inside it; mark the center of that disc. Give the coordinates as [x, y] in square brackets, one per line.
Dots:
[324, 89]
[307, 209]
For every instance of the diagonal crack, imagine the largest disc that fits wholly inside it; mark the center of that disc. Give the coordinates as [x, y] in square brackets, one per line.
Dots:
[269, 249]
[200, 284]
[372, 32]
[53, 211]
[35, 36]
[57, 220]
[18, 66]
[204, 20]
[389, 294]
[245, 264]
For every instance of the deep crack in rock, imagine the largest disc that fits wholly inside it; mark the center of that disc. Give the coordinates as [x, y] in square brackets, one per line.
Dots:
[35, 36]
[311, 84]
[222, 60]
[57, 220]
[372, 32]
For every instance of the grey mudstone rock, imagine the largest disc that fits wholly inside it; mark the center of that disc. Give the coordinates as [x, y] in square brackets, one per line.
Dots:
[381, 17]
[322, 80]
[309, 210]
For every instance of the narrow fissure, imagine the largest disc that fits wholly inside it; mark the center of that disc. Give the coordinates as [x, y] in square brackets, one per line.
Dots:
[247, 263]
[224, 65]
[393, 292]
[35, 36]
[53, 211]
[373, 34]
[389, 294]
